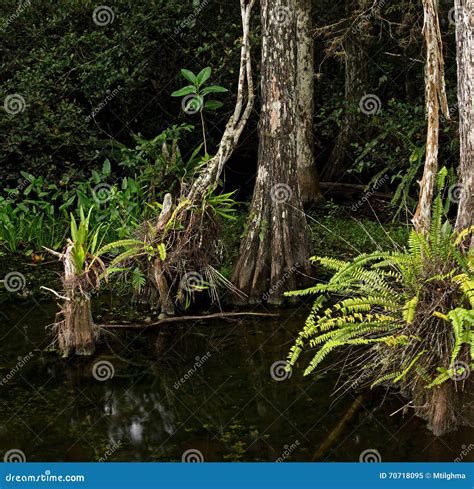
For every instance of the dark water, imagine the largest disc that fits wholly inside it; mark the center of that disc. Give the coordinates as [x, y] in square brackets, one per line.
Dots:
[227, 408]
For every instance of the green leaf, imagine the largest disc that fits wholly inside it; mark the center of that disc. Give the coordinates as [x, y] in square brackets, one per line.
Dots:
[162, 251]
[95, 237]
[189, 75]
[132, 184]
[123, 243]
[67, 203]
[213, 104]
[23, 207]
[106, 169]
[28, 176]
[73, 228]
[203, 75]
[184, 91]
[213, 89]
[95, 176]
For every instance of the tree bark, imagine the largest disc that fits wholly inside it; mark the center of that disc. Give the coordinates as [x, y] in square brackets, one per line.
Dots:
[274, 253]
[435, 95]
[356, 47]
[74, 327]
[464, 15]
[307, 173]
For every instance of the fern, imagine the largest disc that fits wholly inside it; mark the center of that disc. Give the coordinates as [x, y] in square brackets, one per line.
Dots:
[138, 279]
[384, 303]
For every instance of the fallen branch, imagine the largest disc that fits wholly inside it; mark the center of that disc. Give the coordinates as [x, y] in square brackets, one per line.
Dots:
[344, 188]
[339, 429]
[178, 319]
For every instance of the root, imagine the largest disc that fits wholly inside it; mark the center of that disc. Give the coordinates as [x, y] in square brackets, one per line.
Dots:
[180, 319]
[442, 408]
[74, 327]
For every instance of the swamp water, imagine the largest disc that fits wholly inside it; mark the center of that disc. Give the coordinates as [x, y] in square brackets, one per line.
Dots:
[204, 390]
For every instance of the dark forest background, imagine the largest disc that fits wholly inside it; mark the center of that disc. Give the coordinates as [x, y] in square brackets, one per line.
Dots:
[65, 66]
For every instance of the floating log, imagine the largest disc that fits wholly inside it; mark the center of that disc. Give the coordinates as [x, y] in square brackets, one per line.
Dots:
[179, 319]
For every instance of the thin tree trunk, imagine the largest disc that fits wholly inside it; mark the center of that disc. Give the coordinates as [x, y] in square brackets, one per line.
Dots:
[464, 15]
[356, 47]
[276, 248]
[196, 238]
[306, 164]
[210, 174]
[435, 95]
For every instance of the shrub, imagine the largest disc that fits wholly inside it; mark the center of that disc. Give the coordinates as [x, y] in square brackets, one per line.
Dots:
[407, 315]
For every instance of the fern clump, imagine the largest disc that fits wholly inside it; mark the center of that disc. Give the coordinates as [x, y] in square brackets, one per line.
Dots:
[407, 315]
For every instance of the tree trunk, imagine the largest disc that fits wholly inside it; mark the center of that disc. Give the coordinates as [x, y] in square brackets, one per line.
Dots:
[190, 247]
[75, 328]
[306, 165]
[435, 95]
[276, 248]
[356, 81]
[76, 331]
[464, 14]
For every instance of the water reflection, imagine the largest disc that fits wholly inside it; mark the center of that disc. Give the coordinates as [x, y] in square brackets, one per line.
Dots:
[205, 388]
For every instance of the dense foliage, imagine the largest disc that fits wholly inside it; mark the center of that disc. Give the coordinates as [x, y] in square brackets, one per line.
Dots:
[87, 85]
[408, 313]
